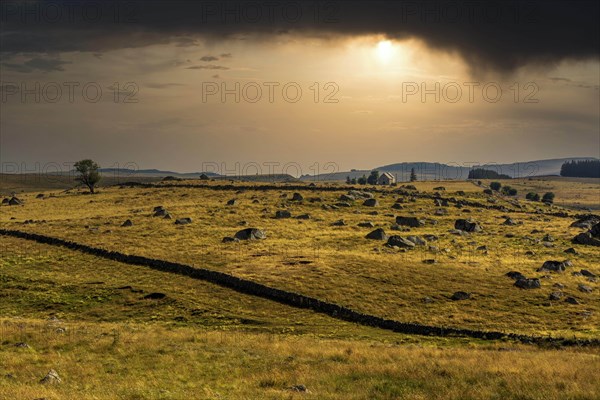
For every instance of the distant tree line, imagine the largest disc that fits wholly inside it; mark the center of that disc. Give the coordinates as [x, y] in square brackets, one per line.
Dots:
[581, 169]
[480, 173]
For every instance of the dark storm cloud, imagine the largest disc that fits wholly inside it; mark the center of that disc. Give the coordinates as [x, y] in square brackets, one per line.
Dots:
[40, 64]
[501, 35]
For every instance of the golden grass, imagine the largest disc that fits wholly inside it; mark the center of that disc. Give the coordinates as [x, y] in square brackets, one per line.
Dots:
[206, 342]
[132, 361]
[344, 267]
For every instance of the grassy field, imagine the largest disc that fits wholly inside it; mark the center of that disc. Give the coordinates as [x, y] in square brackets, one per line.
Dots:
[234, 340]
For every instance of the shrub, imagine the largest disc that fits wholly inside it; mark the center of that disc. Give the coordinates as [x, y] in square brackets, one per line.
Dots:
[532, 196]
[548, 197]
[495, 186]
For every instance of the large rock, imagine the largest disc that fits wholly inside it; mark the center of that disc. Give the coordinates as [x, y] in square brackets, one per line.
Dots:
[467, 225]
[250, 234]
[51, 378]
[412, 222]
[297, 197]
[417, 240]
[347, 198]
[357, 194]
[370, 203]
[528, 283]
[553, 266]
[586, 222]
[516, 275]
[589, 238]
[232, 202]
[366, 224]
[399, 241]
[283, 214]
[183, 221]
[377, 234]
[460, 296]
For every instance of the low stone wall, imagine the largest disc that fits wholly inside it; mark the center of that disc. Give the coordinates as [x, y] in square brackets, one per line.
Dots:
[292, 299]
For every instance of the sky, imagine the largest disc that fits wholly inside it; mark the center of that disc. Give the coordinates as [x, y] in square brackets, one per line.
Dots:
[294, 86]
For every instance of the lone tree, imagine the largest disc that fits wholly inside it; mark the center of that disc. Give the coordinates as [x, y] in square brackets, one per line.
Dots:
[88, 173]
[495, 186]
[413, 175]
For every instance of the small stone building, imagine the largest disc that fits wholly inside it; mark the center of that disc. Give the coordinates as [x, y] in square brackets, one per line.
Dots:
[386, 179]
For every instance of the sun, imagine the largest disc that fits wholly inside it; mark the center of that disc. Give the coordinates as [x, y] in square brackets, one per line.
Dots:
[385, 51]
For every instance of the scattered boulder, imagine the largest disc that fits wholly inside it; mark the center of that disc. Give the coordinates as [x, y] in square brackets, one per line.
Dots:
[417, 240]
[358, 194]
[347, 198]
[548, 238]
[370, 203]
[509, 221]
[515, 275]
[571, 250]
[457, 296]
[584, 288]
[555, 296]
[528, 283]
[586, 221]
[160, 212]
[228, 239]
[397, 206]
[439, 188]
[250, 234]
[303, 216]
[412, 222]
[342, 204]
[339, 222]
[467, 225]
[441, 211]
[40, 196]
[183, 221]
[587, 273]
[554, 266]
[299, 388]
[377, 234]
[297, 197]
[571, 300]
[155, 296]
[5, 200]
[367, 224]
[280, 214]
[127, 223]
[590, 238]
[399, 241]
[51, 378]
[232, 202]
[587, 239]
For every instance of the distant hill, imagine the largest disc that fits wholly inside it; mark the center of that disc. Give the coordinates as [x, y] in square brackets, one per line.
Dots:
[439, 171]
[123, 172]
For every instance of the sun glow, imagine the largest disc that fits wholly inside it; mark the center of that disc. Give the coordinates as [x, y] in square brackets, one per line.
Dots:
[385, 51]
